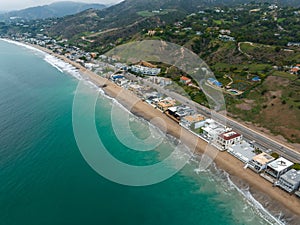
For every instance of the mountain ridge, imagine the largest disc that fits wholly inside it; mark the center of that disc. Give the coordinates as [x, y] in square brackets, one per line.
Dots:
[56, 9]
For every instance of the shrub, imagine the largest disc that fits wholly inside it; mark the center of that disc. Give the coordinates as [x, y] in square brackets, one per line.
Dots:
[275, 155]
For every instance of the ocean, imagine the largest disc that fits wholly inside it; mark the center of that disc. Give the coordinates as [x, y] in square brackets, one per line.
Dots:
[44, 178]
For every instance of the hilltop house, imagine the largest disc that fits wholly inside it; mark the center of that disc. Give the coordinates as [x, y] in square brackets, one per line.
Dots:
[226, 38]
[295, 70]
[259, 162]
[290, 181]
[293, 44]
[185, 80]
[145, 70]
[223, 31]
[214, 82]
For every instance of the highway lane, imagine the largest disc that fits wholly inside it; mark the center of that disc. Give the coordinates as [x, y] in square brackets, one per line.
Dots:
[261, 140]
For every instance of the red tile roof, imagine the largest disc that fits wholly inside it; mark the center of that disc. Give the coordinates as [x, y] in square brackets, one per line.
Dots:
[185, 78]
[295, 69]
[229, 135]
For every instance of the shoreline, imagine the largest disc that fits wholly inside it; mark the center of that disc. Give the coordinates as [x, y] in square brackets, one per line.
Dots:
[258, 186]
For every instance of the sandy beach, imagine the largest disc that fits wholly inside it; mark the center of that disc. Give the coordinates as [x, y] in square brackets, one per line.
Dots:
[272, 198]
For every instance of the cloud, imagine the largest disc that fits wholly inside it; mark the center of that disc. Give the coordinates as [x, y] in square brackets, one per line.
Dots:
[8, 5]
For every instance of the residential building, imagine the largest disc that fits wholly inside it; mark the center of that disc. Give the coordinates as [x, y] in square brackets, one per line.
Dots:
[241, 150]
[259, 162]
[226, 38]
[166, 103]
[172, 111]
[162, 81]
[183, 111]
[188, 121]
[185, 80]
[290, 181]
[297, 193]
[223, 31]
[145, 70]
[214, 82]
[295, 70]
[225, 140]
[278, 167]
[212, 129]
[293, 44]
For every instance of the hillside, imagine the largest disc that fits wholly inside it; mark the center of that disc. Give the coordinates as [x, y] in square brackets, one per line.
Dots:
[122, 15]
[57, 9]
[246, 46]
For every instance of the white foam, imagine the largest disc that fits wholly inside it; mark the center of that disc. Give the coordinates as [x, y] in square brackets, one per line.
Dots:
[245, 193]
[63, 66]
[262, 211]
[68, 68]
[23, 45]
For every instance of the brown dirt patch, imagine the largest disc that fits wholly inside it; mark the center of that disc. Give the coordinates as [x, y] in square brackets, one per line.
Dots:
[280, 119]
[280, 81]
[244, 106]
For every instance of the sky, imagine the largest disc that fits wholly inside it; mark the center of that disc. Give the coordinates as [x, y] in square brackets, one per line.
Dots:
[7, 5]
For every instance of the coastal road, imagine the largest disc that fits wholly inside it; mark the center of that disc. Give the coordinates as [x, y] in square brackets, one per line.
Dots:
[257, 138]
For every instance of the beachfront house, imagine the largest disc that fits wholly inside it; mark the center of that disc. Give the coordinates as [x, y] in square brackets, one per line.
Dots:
[188, 121]
[225, 140]
[166, 103]
[242, 150]
[172, 111]
[259, 162]
[276, 168]
[290, 181]
[297, 193]
[183, 111]
[212, 129]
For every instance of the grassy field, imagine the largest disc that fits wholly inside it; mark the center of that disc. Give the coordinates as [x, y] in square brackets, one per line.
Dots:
[275, 105]
[147, 13]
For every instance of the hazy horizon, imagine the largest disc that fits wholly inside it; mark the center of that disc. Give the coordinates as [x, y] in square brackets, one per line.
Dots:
[22, 4]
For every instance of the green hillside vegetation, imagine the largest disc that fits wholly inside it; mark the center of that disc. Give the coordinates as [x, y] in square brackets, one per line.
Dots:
[254, 46]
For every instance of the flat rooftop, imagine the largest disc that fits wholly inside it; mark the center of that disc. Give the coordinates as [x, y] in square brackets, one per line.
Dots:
[263, 158]
[280, 164]
[194, 118]
[292, 176]
[229, 135]
[243, 150]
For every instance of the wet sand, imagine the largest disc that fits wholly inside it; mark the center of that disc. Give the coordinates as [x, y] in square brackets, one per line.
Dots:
[273, 198]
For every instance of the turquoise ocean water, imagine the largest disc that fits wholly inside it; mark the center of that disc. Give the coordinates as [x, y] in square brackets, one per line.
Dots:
[45, 180]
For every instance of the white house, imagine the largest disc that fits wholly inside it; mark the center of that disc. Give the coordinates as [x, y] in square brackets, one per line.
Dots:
[290, 181]
[212, 129]
[145, 70]
[278, 167]
[259, 162]
[242, 150]
[225, 140]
